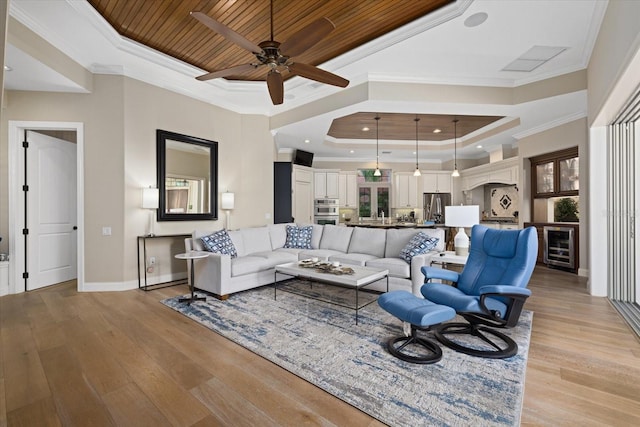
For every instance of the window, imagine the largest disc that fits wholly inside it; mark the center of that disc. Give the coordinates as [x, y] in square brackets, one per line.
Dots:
[373, 193]
[555, 174]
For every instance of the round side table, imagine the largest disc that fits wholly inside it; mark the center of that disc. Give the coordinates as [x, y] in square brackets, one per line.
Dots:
[193, 255]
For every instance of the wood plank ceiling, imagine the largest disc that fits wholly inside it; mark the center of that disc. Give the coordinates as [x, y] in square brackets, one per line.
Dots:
[402, 126]
[165, 25]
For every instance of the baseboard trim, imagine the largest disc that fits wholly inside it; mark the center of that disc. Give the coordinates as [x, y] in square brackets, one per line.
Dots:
[131, 284]
[109, 286]
[583, 272]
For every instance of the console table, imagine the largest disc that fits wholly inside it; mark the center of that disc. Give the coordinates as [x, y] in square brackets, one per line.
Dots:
[142, 277]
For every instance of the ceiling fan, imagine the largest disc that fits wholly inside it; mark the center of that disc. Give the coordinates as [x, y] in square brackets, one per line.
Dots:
[275, 55]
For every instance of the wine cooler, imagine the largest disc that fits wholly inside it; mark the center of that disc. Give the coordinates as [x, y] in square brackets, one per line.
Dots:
[559, 248]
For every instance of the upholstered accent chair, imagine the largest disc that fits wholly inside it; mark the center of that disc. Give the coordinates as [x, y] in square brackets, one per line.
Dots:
[489, 293]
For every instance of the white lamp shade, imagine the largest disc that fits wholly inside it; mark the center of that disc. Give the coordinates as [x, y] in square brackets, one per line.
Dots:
[461, 216]
[150, 198]
[228, 200]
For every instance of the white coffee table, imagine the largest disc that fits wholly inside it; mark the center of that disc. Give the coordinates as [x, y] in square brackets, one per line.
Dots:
[193, 255]
[362, 277]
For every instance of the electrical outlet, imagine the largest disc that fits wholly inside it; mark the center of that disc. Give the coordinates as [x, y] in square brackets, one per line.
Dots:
[152, 260]
[106, 231]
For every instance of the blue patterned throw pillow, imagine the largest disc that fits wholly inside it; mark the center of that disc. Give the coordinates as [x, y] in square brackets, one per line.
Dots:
[419, 244]
[298, 237]
[220, 243]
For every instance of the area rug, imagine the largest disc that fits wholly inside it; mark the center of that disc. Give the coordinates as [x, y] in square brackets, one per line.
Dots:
[321, 343]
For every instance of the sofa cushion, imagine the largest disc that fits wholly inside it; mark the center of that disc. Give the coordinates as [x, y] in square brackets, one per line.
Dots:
[321, 254]
[419, 244]
[236, 238]
[397, 239]
[278, 234]
[368, 241]
[298, 237]
[255, 239]
[397, 267]
[220, 243]
[248, 264]
[277, 257]
[352, 259]
[336, 238]
[316, 235]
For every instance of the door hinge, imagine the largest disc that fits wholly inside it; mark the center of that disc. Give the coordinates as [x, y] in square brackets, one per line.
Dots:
[25, 231]
[25, 188]
[25, 275]
[25, 144]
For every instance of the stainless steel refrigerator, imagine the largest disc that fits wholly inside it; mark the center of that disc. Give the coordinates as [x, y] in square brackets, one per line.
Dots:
[434, 204]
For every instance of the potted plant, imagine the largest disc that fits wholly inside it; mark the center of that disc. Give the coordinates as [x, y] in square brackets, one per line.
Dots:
[566, 210]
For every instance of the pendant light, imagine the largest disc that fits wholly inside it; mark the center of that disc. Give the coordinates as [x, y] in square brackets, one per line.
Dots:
[417, 172]
[377, 172]
[455, 151]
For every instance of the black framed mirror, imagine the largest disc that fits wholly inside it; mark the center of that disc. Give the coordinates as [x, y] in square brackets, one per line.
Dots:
[187, 169]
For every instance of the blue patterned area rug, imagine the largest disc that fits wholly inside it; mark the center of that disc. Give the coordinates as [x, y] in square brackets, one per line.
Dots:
[321, 343]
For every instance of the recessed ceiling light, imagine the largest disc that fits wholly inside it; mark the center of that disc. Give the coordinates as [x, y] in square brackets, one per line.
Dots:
[414, 152]
[436, 130]
[365, 129]
[7, 68]
[475, 19]
[351, 151]
[478, 146]
[306, 141]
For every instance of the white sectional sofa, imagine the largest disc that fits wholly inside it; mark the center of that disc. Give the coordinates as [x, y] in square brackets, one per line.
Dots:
[260, 249]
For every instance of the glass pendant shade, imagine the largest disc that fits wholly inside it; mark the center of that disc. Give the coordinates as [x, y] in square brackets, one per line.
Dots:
[377, 171]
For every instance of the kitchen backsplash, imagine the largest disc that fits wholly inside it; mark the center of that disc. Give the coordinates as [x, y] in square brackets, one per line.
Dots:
[503, 201]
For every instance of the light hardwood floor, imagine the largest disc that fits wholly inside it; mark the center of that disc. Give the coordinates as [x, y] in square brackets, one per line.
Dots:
[121, 358]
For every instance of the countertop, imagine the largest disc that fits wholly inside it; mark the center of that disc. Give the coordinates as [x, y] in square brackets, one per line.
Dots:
[378, 224]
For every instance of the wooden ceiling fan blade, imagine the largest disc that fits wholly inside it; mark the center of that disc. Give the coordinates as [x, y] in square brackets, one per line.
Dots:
[317, 74]
[227, 72]
[307, 37]
[275, 84]
[226, 32]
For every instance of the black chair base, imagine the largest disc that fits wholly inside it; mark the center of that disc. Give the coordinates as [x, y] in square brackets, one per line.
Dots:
[435, 352]
[500, 348]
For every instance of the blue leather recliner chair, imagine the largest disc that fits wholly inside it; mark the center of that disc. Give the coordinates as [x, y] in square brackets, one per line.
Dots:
[489, 293]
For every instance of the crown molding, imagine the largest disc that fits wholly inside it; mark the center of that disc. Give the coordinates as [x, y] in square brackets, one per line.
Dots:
[550, 125]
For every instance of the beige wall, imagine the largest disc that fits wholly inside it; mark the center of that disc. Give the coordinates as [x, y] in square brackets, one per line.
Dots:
[565, 136]
[120, 118]
[616, 47]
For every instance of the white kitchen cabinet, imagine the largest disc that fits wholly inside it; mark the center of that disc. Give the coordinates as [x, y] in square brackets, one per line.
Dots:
[405, 190]
[348, 190]
[326, 184]
[436, 182]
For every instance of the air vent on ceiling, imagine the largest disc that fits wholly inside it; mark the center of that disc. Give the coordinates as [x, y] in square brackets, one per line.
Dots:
[386, 152]
[534, 57]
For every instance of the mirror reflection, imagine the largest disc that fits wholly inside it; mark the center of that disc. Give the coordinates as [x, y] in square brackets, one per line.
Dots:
[186, 177]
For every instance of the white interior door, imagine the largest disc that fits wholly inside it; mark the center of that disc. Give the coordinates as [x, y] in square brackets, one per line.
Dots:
[51, 206]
